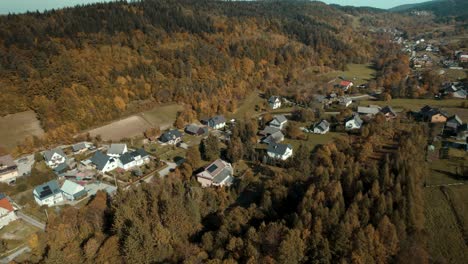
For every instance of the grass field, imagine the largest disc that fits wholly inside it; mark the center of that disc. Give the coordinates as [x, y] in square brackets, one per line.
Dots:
[16, 127]
[162, 116]
[247, 106]
[445, 240]
[416, 104]
[456, 74]
[313, 140]
[16, 234]
[358, 73]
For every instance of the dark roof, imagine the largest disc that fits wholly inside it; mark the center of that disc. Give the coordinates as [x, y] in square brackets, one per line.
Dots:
[100, 160]
[455, 118]
[126, 158]
[278, 149]
[216, 120]
[79, 146]
[117, 149]
[61, 168]
[323, 125]
[47, 189]
[179, 160]
[388, 110]
[142, 152]
[170, 135]
[49, 153]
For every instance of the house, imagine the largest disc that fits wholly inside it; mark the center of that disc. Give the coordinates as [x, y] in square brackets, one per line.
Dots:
[462, 133]
[48, 194]
[80, 147]
[171, 137]
[353, 122]
[116, 150]
[134, 159]
[60, 169]
[196, 130]
[371, 110]
[268, 131]
[388, 112]
[7, 211]
[278, 122]
[25, 164]
[8, 169]
[217, 122]
[73, 191]
[345, 85]
[453, 123]
[432, 115]
[274, 102]
[322, 127]
[460, 94]
[274, 137]
[345, 101]
[54, 157]
[279, 151]
[104, 163]
[218, 173]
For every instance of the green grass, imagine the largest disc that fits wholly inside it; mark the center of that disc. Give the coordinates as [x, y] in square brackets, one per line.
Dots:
[445, 241]
[313, 140]
[247, 106]
[358, 73]
[166, 152]
[416, 104]
[162, 116]
[16, 234]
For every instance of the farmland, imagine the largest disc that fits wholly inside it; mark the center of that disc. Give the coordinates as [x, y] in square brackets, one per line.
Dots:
[358, 73]
[16, 127]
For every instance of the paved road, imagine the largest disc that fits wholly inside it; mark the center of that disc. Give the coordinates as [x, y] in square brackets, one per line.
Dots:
[15, 254]
[31, 220]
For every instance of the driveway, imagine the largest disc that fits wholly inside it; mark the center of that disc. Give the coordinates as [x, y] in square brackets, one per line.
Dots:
[31, 220]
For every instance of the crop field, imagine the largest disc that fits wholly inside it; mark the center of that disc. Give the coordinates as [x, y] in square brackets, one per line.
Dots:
[162, 116]
[126, 128]
[16, 127]
[358, 73]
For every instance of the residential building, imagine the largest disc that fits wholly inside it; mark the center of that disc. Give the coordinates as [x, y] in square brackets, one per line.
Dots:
[268, 131]
[104, 163]
[345, 85]
[80, 147]
[117, 149]
[7, 211]
[279, 151]
[217, 122]
[278, 121]
[194, 129]
[453, 123]
[353, 122]
[460, 94]
[371, 110]
[72, 190]
[171, 137]
[48, 194]
[54, 157]
[134, 159]
[388, 112]
[218, 173]
[274, 102]
[345, 101]
[8, 169]
[275, 137]
[322, 127]
[432, 115]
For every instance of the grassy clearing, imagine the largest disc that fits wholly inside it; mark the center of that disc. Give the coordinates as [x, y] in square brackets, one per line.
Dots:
[441, 171]
[16, 127]
[445, 241]
[358, 73]
[416, 104]
[16, 234]
[313, 140]
[456, 74]
[162, 116]
[247, 106]
[458, 197]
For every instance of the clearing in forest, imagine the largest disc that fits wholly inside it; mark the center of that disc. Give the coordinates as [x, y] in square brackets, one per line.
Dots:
[357, 73]
[15, 128]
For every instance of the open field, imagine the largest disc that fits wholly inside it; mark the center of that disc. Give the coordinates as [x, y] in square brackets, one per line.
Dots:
[358, 73]
[456, 74]
[313, 140]
[162, 116]
[247, 106]
[16, 234]
[126, 128]
[445, 239]
[16, 127]
[416, 104]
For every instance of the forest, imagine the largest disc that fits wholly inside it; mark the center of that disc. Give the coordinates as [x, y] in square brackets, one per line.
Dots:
[352, 201]
[79, 67]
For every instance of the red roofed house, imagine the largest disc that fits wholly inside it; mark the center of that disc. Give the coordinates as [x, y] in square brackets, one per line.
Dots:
[7, 212]
[345, 85]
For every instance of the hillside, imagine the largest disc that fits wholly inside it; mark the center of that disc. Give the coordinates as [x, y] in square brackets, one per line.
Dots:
[441, 8]
[81, 66]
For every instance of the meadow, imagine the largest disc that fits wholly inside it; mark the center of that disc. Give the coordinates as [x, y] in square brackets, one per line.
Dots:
[15, 128]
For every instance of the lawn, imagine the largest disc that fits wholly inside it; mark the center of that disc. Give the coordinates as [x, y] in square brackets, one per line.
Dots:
[16, 234]
[445, 239]
[416, 104]
[162, 116]
[15, 128]
[456, 74]
[313, 140]
[358, 73]
[247, 106]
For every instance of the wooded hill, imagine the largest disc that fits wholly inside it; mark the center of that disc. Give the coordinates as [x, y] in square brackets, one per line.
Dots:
[78, 67]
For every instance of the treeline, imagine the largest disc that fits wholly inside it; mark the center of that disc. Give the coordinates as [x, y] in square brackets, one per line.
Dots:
[330, 207]
[78, 67]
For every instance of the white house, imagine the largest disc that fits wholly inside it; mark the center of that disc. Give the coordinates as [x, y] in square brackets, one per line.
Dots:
[7, 211]
[48, 194]
[116, 150]
[278, 121]
[72, 190]
[322, 127]
[218, 173]
[274, 102]
[217, 122]
[54, 157]
[345, 101]
[8, 169]
[353, 122]
[279, 151]
[105, 163]
[133, 159]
